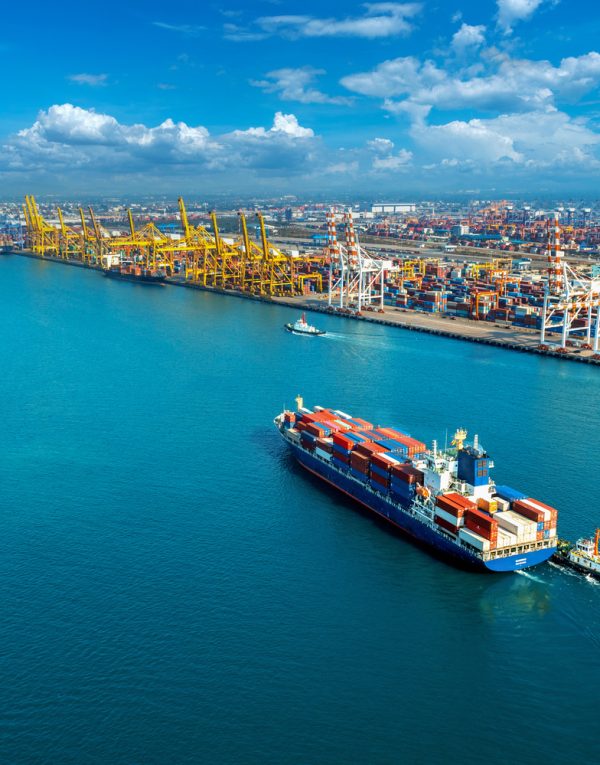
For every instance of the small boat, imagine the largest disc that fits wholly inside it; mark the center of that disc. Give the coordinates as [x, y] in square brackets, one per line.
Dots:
[300, 327]
[583, 556]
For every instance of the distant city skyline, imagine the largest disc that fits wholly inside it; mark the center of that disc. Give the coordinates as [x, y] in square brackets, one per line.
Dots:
[381, 99]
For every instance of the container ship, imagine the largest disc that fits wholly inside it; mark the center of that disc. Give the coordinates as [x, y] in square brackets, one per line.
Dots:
[444, 499]
[133, 273]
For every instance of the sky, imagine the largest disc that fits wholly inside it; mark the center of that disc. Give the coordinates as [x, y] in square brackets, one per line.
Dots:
[314, 97]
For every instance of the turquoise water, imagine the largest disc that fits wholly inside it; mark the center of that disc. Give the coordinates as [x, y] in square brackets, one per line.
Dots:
[174, 589]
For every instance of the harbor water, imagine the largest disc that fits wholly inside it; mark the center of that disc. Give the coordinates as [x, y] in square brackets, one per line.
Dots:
[174, 589]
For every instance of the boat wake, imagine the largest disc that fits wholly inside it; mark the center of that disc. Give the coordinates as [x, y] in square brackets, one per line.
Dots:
[574, 574]
[533, 578]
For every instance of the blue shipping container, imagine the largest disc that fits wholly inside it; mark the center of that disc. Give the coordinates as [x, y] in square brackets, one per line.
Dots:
[510, 495]
[380, 471]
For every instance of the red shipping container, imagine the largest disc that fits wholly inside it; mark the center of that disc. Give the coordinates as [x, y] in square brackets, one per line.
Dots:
[409, 474]
[343, 441]
[539, 536]
[381, 461]
[368, 448]
[315, 430]
[541, 504]
[326, 446]
[300, 426]
[445, 524]
[359, 462]
[450, 507]
[486, 532]
[363, 424]
[458, 499]
[380, 480]
[482, 518]
[532, 513]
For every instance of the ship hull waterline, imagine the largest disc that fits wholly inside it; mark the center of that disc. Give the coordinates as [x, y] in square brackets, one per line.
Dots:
[136, 279]
[427, 538]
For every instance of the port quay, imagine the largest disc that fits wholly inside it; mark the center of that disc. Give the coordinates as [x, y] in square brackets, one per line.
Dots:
[542, 299]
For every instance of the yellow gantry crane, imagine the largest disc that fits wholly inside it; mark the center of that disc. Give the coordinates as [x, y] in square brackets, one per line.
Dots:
[41, 237]
[201, 256]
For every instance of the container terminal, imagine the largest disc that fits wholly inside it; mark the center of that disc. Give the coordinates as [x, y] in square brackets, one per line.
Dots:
[552, 309]
[445, 499]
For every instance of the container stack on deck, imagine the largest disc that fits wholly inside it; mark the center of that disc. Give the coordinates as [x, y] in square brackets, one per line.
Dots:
[394, 464]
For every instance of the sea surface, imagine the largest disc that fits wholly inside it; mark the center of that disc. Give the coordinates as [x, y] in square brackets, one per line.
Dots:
[174, 589]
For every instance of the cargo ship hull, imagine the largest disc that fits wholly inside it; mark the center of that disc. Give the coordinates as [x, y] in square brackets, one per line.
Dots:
[137, 278]
[403, 519]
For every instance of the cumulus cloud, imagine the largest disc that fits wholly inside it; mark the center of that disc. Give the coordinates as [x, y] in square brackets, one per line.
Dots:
[380, 20]
[94, 80]
[516, 85]
[295, 85]
[381, 145]
[468, 37]
[69, 137]
[512, 11]
[398, 161]
[538, 139]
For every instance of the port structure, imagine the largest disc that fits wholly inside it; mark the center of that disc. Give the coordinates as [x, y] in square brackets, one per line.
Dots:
[356, 278]
[571, 301]
[202, 257]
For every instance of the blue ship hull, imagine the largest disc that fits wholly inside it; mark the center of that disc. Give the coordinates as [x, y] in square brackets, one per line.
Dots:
[443, 546]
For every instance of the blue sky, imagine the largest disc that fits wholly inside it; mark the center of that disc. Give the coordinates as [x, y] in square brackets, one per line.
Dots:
[497, 96]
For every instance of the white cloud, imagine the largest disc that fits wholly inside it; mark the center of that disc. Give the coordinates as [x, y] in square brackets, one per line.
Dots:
[516, 85]
[512, 11]
[381, 145]
[283, 124]
[468, 37]
[394, 77]
[294, 85]
[342, 168]
[69, 137]
[187, 30]
[397, 161]
[538, 139]
[94, 80]
[379, 20]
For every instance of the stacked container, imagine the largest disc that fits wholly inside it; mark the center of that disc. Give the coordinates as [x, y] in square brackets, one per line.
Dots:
[450, 510]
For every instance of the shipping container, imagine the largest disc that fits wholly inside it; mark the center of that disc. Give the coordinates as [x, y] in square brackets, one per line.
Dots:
[509, 494]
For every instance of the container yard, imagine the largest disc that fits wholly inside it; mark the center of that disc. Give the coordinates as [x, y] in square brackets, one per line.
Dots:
[553, 309]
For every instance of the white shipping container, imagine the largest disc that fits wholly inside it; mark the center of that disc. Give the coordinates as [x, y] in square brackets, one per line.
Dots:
[341, 414]
[514, 522]
[503, 504]
[474, 539]
[343, 424]
[506, 539]
[448, 517]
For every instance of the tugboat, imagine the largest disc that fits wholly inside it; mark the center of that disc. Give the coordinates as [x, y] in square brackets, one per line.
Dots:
[300, 327]
[584, 556]
[132, 273]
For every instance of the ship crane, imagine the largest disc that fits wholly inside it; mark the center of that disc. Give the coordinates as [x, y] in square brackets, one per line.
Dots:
[360, 276]
[570, 298]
